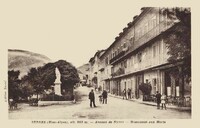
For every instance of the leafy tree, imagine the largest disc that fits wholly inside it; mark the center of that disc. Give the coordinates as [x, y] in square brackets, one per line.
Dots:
[35, 79]
[14, 90]
[27, 88]
[48, 75]
[146, 90]
[69, 75]
[41, 78]
[178, 39]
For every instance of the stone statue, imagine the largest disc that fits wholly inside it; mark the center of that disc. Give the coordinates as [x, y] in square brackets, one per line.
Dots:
[57, 87]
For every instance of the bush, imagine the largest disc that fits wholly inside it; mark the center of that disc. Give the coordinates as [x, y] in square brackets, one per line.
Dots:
[146, 90]
[54, 97]
[33, 102]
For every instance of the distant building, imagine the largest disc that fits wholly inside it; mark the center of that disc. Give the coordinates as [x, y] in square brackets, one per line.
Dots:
[84, 72]
[95, 76]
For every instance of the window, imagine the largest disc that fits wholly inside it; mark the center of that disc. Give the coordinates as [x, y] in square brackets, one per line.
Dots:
[122, 64]
[112, 70]
[115, 52]
[140, 32]
[160, 47]
[139, 57]
[132, 40]
[118, 50]
[121, 47]
[129, 63]
[150, 24]
[124, 46]
[161, 15]
[145, 28]
[125, 63]
[154, 82]
[154, 51]
[132, 61]
[106, 60]
[154, 22]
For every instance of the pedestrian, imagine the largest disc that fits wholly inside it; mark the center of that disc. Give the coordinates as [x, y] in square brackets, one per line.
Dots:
[124, 94]
[158, 99]
[100, 99]
[132, 95]
[74, 98]
[99, 88]
[129, 93]
[92, 98]
[105, 96]
[163, 101]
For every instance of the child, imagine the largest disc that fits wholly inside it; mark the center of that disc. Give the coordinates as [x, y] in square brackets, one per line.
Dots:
[100, 99]
[163, 101]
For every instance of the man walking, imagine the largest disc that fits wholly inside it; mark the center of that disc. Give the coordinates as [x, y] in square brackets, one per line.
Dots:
[92, 98]
[105, 96]
[129, 93]
[158, 99]
[124, 94]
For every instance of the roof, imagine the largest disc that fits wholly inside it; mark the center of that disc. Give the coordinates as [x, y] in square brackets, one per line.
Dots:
[125, 30]
[98, 54]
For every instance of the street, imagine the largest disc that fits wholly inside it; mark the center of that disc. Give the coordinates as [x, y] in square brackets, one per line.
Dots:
[115, 109]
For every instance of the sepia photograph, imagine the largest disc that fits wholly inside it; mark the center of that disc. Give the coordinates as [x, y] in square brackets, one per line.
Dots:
[145, 73]
[99, 63]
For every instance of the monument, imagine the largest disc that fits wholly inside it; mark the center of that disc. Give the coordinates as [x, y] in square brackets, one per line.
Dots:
[57, 86]
[57, 90]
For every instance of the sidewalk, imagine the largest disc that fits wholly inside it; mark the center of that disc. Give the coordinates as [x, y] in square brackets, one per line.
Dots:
[153, 104]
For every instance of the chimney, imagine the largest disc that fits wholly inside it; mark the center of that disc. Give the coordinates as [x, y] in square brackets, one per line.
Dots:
[142, 9]
[135, 17]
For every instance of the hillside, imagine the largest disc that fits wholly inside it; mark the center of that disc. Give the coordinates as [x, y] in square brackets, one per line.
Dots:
[84, 69]
[24, 60]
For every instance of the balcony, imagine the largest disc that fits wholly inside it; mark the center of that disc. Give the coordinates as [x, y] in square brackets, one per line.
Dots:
[120, 71]
[151, 34]
[117, 56]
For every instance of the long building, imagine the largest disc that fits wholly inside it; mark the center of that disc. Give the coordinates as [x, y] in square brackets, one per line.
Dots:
[139, 54]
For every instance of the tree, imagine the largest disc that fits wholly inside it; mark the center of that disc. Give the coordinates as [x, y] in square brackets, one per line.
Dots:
[35, 79]
[14, 90]
[69, 75]
[41, 78]
[27, 88]
[146, 90]
[38, 79]
[48, 75]
[178, 40]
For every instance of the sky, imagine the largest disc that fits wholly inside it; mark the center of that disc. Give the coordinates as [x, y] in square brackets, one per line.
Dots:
[69, 30]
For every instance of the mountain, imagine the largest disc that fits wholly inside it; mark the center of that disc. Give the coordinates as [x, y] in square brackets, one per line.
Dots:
[24, 60]
[84, 69]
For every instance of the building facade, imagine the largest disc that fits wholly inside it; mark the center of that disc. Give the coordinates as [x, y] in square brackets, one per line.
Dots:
[94, 66]
[139, 54]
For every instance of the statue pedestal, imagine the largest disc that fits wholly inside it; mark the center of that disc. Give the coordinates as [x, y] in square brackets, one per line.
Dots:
[57, 89]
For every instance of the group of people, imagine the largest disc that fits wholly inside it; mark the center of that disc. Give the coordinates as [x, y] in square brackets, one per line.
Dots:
[127, 92]
[12, 104]
[102, 98]
[161, 99]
